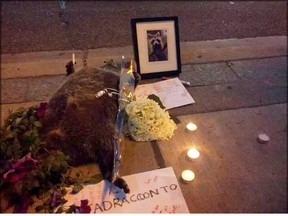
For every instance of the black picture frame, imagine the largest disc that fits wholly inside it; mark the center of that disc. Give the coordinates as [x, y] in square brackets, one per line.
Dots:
[155, 59]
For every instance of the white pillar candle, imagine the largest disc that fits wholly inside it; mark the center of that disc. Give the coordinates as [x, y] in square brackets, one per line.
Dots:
[191, 127]
[193, 154]
[188, 175]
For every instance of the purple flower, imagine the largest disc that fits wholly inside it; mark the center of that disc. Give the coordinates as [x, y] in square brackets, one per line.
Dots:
[56, 199]
[41, 110]
[84, 207]
[20, 168]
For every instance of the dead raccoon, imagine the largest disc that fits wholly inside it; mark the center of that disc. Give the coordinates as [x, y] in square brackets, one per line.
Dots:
[83, 126]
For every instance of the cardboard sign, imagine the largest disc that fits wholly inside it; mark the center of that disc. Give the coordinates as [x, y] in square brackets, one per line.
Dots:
[171, 92]
[155, 191]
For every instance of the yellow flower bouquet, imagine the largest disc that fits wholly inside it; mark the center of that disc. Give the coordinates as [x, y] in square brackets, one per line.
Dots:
[148, 121]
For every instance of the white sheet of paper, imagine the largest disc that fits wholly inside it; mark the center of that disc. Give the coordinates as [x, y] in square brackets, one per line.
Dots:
[154, 191]
[171, 92]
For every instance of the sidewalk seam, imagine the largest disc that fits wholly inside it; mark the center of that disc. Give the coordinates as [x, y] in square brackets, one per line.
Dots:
[227, 64]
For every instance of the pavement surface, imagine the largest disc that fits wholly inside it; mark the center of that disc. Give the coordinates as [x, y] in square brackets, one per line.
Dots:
[235, 101]
[29, 26]
[239, 85]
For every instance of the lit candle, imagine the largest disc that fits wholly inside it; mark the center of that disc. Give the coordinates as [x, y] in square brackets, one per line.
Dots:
[191, 127]
[193, 154]
[188, 175]
[73, 58]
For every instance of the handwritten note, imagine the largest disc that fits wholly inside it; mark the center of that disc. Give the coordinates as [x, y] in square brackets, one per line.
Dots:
[171, 92]
[155, 191]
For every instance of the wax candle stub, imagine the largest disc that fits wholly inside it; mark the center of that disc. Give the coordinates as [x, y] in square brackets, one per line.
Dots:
[191, 127]
[73, 58]
[188, 175]
[193, 153]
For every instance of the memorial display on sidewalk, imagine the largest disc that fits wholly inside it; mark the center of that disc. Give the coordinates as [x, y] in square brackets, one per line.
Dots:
[82, 123]
[41, 144]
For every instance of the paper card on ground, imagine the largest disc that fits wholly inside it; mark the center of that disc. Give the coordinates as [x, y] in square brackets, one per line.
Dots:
[155, 191]
[171, 92]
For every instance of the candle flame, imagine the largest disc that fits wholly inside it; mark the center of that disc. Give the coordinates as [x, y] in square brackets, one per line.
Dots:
[188, 175]
[130, 95]
[130, 67]
[191, 126]
[193, 153]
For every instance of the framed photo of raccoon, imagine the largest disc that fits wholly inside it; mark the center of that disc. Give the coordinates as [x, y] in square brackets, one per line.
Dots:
[156, 46]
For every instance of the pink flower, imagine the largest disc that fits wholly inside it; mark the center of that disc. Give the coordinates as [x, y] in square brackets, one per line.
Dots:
[13, 175]
[20, 168]
[41, 110]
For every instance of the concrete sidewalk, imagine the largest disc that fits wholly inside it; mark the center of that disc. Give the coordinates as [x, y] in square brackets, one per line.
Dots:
[237, 97]
[223, 71]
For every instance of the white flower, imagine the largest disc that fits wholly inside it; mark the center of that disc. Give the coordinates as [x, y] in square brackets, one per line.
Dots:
[147, 121]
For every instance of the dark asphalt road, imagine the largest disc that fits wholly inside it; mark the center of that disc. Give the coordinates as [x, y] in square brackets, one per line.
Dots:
[36, 25]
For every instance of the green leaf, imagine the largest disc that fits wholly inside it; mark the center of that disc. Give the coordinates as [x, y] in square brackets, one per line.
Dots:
[63, 192]
[25, 121]
[8, 128]
[27, 133]
[59, 210]
[48, 162]
[56, 164]
[47, 201]
[18, 120]
[39, 208]
[63, 201]
[156, 99]
[76, 189]
[36, 183]
[21, 109]
[95, 179]
[32, 118]
[22, 127]
[9, 135]
[71, 209]
[50, 209]
[37, 124]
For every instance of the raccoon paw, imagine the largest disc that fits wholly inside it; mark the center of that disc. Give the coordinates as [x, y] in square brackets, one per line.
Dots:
[121, 183]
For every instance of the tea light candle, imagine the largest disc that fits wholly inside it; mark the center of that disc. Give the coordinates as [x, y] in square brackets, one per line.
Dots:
[263, 138]
[191, 127]
[193, 154]
[188, 175]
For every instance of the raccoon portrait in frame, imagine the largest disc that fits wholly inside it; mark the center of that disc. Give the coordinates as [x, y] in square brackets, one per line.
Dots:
[157, 45]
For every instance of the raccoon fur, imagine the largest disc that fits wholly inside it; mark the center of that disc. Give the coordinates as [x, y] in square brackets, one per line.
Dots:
[80, 124]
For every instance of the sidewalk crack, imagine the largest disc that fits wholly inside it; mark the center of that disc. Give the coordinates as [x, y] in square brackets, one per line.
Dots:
[229, 66]
[157, 154]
